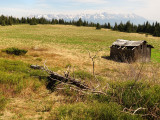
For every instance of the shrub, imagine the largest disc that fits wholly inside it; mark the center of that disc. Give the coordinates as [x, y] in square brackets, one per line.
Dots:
[15, 51]
[135, 95]
[131, 96]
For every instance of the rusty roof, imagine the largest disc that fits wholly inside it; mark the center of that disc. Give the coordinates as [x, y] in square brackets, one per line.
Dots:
[127, 43]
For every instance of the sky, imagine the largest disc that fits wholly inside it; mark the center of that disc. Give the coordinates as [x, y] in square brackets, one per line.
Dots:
[18, 8]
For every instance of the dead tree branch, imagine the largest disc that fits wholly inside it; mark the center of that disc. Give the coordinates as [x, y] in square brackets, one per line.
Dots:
[78, 86]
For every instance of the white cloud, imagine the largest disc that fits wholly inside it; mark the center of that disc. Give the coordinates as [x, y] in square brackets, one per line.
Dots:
[151, 9]
[19, 12]
[146, 8]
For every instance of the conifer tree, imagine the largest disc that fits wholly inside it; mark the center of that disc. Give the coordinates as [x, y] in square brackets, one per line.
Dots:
[3, 23]
[79, 22]
[105, 25]
[115, 27]
[109, 26]
[61, 21]
[121, 27]
[53, 21]
[33, 21]
[98, 26]
[84, 23]
[128, 27]
[157, 31]
[10, 21]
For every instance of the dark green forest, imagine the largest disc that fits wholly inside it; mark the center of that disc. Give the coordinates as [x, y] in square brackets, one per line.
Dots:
[147, 28]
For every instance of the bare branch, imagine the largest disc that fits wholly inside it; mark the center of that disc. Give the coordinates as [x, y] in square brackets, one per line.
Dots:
[139, 109]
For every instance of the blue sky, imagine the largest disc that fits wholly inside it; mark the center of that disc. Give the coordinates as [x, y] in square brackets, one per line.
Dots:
[146, 8]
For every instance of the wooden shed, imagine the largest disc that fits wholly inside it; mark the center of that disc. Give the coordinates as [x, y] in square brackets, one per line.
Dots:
[130, 51]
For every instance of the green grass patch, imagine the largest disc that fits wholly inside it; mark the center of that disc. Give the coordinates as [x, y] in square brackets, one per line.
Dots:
[92, 111]
[155, 55]
[71, 37]
[82, 74]
[18, 75]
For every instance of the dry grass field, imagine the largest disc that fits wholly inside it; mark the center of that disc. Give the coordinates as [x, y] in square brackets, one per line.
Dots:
[61, 46]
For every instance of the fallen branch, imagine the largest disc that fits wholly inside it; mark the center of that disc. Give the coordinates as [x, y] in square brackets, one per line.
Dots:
[68, 81]
[139, 109]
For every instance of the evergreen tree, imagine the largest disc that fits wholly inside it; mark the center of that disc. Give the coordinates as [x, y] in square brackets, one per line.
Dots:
[3, 23]
[23, 20]
[147, 27]
[28, 20]
[79, 22]
[10, 21]
[135, 29]
[140, 29]
[42, 20]
[6, 20]
[109, 26]
[91, 24]
[33, 21]
[53, 21]
[115, 27]
[157, 31]
[121, 27]
[61, 21]
[105, 25]
[85, 23]
[128, 27]
[98, 26]
[152, 29]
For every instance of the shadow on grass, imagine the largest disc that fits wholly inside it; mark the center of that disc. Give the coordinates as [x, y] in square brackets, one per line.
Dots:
[51, 84]
[115, 60]
[106, 57]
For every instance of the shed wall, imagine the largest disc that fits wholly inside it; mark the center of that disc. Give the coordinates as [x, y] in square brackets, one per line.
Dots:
[122, 55]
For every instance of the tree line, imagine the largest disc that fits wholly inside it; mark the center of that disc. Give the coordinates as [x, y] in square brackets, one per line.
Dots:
[153, 29]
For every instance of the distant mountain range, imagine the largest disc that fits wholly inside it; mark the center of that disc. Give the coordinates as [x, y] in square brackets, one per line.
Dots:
[103, 17]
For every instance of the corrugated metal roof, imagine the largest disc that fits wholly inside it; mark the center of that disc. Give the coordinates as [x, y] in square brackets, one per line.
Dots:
[121, 42]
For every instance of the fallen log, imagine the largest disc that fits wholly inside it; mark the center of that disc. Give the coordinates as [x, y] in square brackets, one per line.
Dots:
[73, 81]
[53, 76]
[36, 67]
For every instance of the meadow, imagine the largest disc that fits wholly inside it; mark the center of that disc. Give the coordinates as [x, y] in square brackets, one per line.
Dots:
[23, 92]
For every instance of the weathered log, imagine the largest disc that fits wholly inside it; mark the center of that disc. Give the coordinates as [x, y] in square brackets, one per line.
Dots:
[73, 81]
[54, 76]
[36, 67]
[68, 80]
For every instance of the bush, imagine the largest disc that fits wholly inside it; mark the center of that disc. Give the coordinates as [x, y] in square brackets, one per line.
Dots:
[15, 51]
[133, 95]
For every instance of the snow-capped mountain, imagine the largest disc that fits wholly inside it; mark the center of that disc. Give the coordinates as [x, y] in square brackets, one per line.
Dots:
[103, 17]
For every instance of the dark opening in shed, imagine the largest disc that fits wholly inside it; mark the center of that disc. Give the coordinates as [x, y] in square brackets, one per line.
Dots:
[130, 51]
